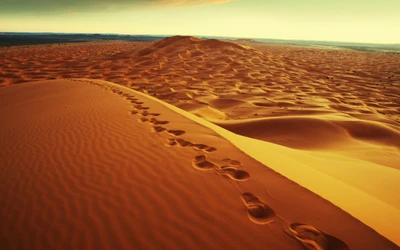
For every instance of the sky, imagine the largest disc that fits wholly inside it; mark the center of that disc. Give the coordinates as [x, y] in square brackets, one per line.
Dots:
[370, 21]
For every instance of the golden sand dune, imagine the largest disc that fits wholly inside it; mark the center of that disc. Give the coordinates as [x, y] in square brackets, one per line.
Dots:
[326, 119]
[89, 164]
[354, 176]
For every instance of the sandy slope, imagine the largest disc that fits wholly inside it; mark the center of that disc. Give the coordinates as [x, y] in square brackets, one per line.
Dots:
[338, 176]
[90, 165]
[335, 113]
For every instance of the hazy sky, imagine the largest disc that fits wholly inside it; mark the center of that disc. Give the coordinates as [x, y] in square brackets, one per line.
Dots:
[333, 20]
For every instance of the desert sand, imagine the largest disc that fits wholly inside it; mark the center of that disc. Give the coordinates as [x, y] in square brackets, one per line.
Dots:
[279, 146]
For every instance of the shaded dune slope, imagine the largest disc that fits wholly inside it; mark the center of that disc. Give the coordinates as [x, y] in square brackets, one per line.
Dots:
[315, 132]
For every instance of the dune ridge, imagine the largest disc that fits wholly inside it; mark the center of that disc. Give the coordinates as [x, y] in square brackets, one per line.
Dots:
[87, 180]
[316, 116]
[374, 185]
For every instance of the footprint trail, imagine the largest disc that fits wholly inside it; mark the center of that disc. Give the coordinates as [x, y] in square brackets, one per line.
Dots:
[258, 212]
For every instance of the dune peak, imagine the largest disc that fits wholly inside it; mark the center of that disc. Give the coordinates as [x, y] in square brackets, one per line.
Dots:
[171, 45]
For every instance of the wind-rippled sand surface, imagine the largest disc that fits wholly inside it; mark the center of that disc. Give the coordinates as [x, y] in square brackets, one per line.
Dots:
[87, 164]
[275, 79]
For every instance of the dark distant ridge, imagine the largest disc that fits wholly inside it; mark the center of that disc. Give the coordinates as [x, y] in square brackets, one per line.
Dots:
[12, 39]
[28, 38]
[373, 47]
[190, 40]
[245, 40]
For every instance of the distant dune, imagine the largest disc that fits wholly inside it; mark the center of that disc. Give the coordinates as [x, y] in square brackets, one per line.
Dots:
[328, 120]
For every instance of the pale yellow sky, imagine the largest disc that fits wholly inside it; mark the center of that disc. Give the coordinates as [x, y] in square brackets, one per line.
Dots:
[340, 20]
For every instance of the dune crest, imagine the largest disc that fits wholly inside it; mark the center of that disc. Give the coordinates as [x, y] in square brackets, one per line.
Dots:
[91, 182]
[331, 172]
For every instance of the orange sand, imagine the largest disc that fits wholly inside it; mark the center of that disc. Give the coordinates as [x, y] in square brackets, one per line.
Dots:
[107, 168]
[331, 127]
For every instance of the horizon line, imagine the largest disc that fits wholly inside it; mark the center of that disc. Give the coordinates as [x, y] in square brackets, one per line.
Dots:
[205, 36]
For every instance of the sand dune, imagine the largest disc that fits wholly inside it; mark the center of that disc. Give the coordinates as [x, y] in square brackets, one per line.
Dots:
[271, 80]
[79, 176]
[353, 177]
[316, 132]
[316, 116]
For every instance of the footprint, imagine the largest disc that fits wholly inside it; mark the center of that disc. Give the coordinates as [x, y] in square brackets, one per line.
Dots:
[234, 173]
[200, 146]
[159, 129]
[176, 132]
[153, 120]
[210, 149]
[200, 158]
[226, 160]
[154, 114]
[314, 239]
[257, 211]
[134, 112]
[157, 122]
[171, 142]
[162, 122]
[231, 162]
[140, 107]
[204, 147]
[200, 162]
[183, 143]
[136, 102]
[234, 162]
[143, 113]
[143, 119]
